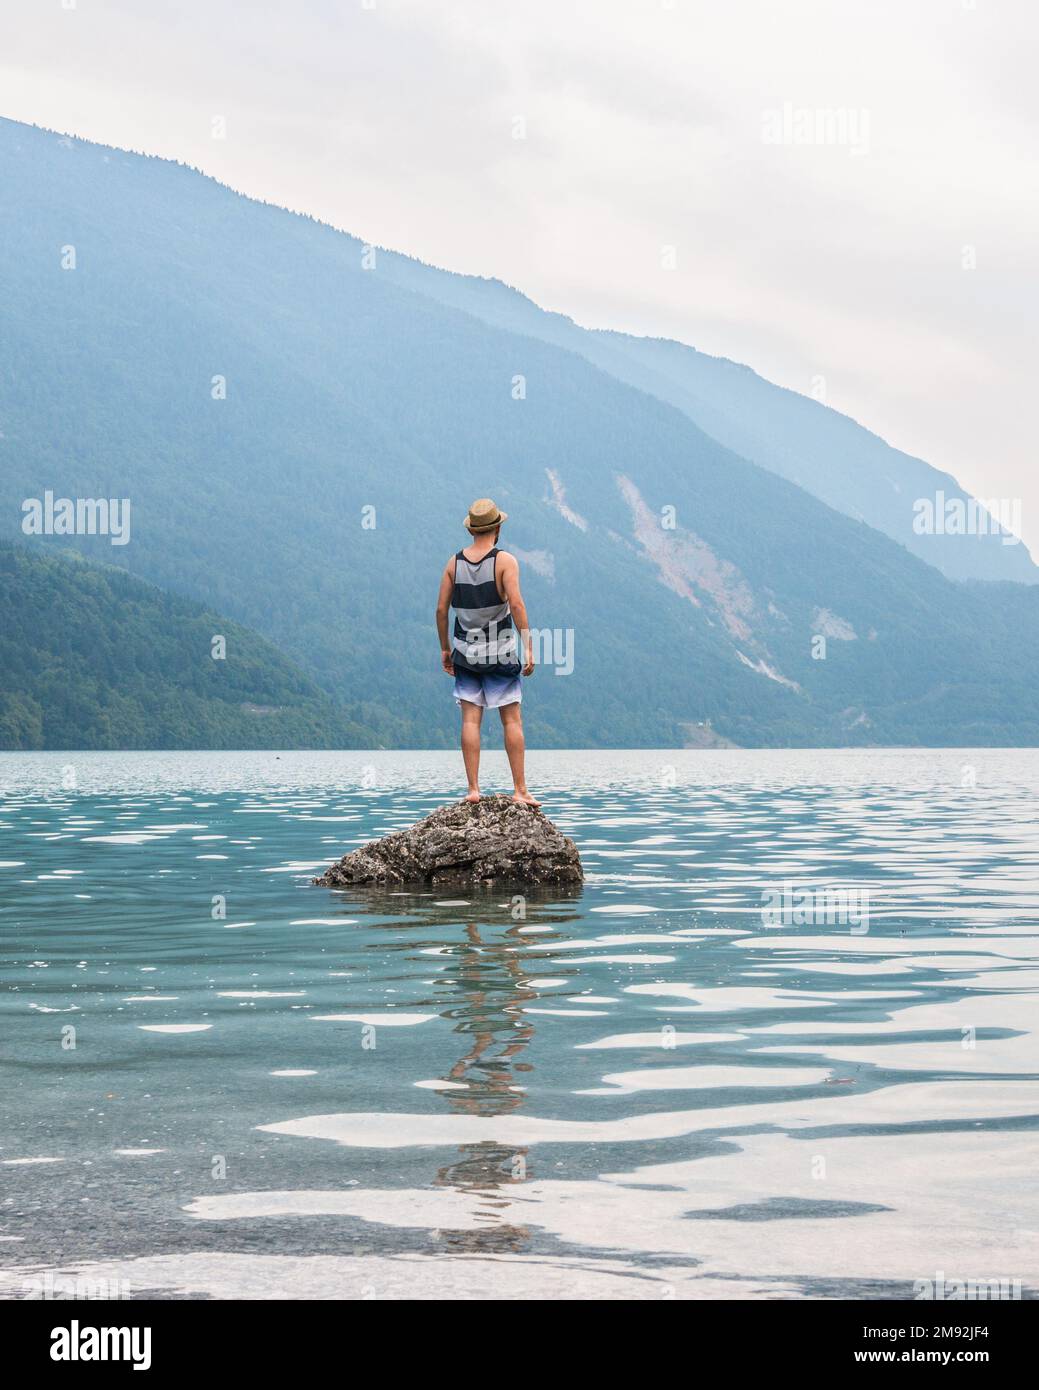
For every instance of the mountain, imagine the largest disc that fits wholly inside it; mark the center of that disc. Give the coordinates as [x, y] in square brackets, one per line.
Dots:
[93, 658]
[298, 437]
[826, 453]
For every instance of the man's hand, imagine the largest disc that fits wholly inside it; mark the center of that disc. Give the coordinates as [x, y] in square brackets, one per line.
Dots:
[447, 662]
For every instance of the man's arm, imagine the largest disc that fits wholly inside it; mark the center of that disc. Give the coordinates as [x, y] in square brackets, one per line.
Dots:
[447, 581]
[511, 584]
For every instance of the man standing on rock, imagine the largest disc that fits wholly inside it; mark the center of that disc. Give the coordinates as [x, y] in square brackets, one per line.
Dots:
[481, 583]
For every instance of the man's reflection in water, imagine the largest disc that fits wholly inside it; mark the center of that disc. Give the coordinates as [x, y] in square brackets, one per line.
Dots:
[489, 974]
[486, 988]
[493, 985]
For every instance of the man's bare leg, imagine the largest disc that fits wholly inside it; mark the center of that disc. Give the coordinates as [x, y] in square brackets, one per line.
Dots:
[471, 717]
[515, 747]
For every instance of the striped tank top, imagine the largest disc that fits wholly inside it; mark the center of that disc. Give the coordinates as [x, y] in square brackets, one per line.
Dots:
[484, 640]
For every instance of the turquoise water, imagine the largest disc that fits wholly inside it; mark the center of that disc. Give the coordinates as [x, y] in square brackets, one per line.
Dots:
[781, 1044]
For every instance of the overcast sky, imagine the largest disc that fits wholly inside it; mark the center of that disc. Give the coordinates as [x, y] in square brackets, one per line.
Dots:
[833, 251]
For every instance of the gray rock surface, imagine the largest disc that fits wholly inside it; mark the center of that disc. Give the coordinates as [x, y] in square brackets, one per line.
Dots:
[493, 841]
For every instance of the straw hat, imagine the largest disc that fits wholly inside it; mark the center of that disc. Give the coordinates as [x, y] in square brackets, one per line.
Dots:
[483, 516]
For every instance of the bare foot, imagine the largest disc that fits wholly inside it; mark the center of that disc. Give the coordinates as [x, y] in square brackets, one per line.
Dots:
[524, 798]
[472, 796]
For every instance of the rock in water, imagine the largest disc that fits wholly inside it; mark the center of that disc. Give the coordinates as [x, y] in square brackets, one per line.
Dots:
[493, 841]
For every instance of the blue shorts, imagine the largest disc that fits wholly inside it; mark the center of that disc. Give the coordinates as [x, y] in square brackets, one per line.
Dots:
[489, 692]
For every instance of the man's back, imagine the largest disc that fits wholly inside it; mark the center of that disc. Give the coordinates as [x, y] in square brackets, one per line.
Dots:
[484, 640]
[484, 652]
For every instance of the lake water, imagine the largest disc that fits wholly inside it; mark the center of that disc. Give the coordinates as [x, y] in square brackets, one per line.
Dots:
[781, 1044]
